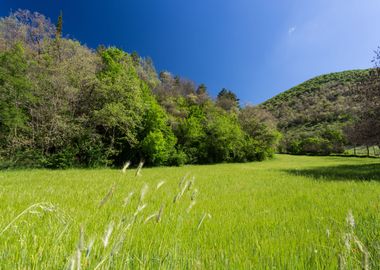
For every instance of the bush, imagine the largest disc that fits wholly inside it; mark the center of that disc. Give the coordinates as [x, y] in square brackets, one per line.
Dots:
[63, 159]
[156, 148]
[179, 158]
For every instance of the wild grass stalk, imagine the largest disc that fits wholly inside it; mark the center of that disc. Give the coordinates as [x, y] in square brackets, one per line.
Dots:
[107, 234]
[126, 166]
[107, 196]
[139, 168]
[48, 207]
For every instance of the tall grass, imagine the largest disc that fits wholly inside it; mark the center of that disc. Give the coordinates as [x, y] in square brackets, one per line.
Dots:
[234, 216]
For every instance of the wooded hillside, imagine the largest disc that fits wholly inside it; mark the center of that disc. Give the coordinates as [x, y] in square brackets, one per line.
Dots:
[313, 115]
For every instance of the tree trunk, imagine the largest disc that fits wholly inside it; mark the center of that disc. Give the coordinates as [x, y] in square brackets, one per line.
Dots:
[367, 151]
[355, 150]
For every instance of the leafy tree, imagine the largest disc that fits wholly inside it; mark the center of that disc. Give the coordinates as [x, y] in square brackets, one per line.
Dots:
[58, 33]
[227, 100]
[225, 139]
[155, 126]
[260, 126]
[64, 105]
[15, 97]
[202, 94]
[118, 114]
[156, 147]
[192, 135]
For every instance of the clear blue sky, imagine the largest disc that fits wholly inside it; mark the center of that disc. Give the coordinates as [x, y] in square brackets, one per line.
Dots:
[257, 48]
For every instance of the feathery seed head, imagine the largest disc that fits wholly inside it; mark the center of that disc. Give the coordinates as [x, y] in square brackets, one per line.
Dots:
[126, 166]
[350, 219]
[107, 234]
[128, 198]
[160, 184]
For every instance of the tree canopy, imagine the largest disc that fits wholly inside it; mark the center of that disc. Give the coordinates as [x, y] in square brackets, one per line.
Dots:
[64, 105]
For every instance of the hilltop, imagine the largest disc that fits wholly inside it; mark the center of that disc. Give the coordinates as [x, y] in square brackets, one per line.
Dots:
[315, 112]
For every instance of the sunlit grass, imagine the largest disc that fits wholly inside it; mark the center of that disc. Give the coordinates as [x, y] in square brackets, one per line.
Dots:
[286, 213]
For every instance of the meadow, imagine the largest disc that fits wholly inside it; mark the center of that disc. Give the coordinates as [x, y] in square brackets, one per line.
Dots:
[291, 212]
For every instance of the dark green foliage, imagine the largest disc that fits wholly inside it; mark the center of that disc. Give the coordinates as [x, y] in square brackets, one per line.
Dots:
[324, 141]
[15, 98]
[63, 105]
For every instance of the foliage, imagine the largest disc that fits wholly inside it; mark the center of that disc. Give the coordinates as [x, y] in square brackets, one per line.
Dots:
[260, 126]
[69, 106]
[227, 100]
[15, 97]
[307, 110]
[365, 129]
[225, 138]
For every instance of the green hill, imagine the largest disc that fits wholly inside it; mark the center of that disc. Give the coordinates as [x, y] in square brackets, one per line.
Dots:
[314, 113]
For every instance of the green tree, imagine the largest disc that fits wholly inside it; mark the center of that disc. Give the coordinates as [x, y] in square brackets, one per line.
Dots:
[192, 136]
[260, 126]
[227, 100]
[119, 113]
[225, 139]
[15, 98]
[156, 126]
[58, 33]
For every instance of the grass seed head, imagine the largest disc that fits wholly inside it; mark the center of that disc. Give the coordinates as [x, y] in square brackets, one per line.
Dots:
[108, 195]
[89, 247]
[128, 198]
[107, 234]
[191, 206]
[350, 220]
[194, 194]
[160, 184]
[139, 168]
[126, 166]
[159, 216]
[150, 217]
[144, 190]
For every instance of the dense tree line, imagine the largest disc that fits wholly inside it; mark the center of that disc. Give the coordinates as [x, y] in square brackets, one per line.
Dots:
[63, 105]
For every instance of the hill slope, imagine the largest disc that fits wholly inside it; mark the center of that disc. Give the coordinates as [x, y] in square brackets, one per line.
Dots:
[316, 110]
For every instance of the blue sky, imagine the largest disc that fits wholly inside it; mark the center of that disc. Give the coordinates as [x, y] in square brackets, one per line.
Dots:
[256, 48]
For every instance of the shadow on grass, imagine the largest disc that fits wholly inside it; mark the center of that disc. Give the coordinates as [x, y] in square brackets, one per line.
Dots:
[363, 172]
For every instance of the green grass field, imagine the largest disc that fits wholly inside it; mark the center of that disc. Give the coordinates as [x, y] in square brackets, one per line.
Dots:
[291, 212]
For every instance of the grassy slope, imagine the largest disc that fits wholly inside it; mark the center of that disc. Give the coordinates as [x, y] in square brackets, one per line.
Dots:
[289, 212]
[321, 101]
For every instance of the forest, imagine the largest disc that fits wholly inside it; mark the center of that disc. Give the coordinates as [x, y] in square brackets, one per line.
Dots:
[64, 105]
